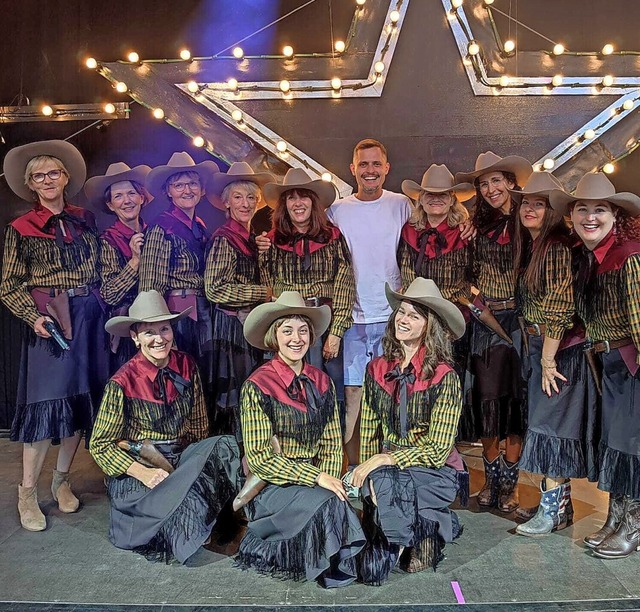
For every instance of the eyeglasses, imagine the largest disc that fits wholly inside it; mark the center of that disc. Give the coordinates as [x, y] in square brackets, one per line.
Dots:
[180, 187]
[494, 182]
[53, 175]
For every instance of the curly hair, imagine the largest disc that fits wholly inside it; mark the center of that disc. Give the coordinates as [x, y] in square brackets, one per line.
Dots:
[626, 227]
[284, 230]
[484, 214]
[457, 213]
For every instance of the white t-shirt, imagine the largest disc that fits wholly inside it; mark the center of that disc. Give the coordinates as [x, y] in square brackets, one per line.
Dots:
[372, 231]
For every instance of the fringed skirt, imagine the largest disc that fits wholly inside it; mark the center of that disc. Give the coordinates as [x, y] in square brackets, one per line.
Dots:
[175, 518]
[562, 434]
[302, 532]
[233, 361]
[194, 337]
[619, 456]
[59, 392]
[411, 506]
[494, 389]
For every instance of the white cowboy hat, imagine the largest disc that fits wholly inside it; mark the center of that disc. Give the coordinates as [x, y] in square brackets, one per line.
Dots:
[539, 184]
[297, 178]
[238, 171]
[119, 171]
[148, 307]
[289, 303]
[438, 179]
[17, 159]
[425, 292]
[179, 162]
[490, 162]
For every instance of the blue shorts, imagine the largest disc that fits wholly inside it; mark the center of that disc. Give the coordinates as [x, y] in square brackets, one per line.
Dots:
[362, 342]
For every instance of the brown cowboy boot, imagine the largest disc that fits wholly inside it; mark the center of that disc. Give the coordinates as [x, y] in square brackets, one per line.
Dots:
[508, 498]
[614, 518]
[626, 538]
[62, 493]
[488, 495]
[31, 517]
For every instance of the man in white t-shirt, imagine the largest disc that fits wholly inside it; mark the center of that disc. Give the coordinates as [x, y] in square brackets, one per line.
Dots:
[371, 221]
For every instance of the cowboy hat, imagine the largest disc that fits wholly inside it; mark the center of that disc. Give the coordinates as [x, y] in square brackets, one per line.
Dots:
[490, 162]
[595, 186]
[539, 184]
[17, 159]
[238, 171]
[297, 178]
[179, 162]
[289, 303]
[116, 173]
[425, 292]
[437, 179]
[148, 307]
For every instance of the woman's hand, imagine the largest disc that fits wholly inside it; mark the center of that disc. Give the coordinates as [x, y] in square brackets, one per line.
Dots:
[331, 347]
[263, 243]
[39, 328]
[468, 230]
[364, 469]
[549, 375]
[326, 481]
[135, 244]
[152, 477]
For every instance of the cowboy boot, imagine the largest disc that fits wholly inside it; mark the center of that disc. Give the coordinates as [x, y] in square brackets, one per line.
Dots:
[488, 495]
[31, 517]
[62, 493]
[508, 499]
[626, 538]
[552, 514]
[614, 517]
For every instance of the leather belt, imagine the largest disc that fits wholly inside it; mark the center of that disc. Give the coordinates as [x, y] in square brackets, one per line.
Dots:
[498, 305]
[82, 291]
[605, 346]
[536, 329]
[185, 292]
[389, 447]
[317, 301]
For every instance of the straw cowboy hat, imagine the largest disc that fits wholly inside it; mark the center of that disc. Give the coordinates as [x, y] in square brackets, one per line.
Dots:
[595, 186]
[148, 307]
[424, 291]
[490, 162]
[297, 178]
[17, 159]
[288, 304]
[179, 162]
[95, 187]
[238, 171]
[539, 184]
[438, 179]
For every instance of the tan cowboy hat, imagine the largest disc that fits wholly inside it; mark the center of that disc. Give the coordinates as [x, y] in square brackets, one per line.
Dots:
[95, 187]
[179, 162]
[148, 307]
[238, 171]
[425, 292]
[297, 178]
[438, 179]
[490, 162]
[289, 303]
[539, 184]
[595, 186]
[17, 159]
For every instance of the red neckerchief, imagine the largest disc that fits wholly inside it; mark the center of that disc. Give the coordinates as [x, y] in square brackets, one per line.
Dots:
[33, 223]
[275, 376]
[238, 236]
[450, 234]
[137, 377]
[498, 230]
[119, 235]
[612, 255]
[297, 246]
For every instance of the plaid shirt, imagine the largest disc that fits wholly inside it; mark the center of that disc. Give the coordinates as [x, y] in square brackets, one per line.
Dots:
[493, 267]
[118, 277]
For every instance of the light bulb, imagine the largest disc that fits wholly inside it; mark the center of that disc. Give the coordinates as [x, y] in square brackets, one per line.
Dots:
[378, 67]
[590, 134]
[360, 2]
[608, 168]
[558, 49]
[287, 51]
[133, 57]
[91, 63]
[548, 163]
[285, 86]
[232, 83]
[281, 145]
[121, 87]
[185, 54]
[158, 113]
[607, 81]
[238, 53]
[607, 49]
[46, 110]
[556, 81]
[504, 80]
[509, 46]
[488, 1]
[236, 115]
[326, 176]
[394, 16]
[627, 104]
[192, 86]
[339, 46]
[336, 83]
[473, 48]
[456, 3]
[198, 141]
[109, 108]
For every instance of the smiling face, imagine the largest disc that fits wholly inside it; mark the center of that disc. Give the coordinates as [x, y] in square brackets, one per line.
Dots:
[49, 190]
[493, 188]
[299, 207]
[155, 341]
[410, 325]
[370, 168]
[437, 205]
[185, 190]
[241, 204]
[532, 211]
[592, 221]
[125, 201]
[293, 337]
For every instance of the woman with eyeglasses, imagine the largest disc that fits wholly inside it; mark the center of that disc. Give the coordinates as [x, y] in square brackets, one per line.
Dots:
[50, 282]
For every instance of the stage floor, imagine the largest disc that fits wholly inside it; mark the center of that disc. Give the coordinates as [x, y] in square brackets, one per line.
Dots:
[73, 562]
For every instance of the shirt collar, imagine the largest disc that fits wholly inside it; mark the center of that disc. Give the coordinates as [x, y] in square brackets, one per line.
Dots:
[416, 361]
[181, 216]
[285, 371]
[603, 247]
[238, 228]
[150, 370]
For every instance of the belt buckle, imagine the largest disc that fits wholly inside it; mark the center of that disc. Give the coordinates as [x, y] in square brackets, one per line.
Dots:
[71, 292]
[607, 347]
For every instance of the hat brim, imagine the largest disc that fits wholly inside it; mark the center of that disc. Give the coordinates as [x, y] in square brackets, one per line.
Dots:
[261, 317]
[512, 163]
[17, 159]
[445, 309]
[218, 183]
[561, 201]
[121, 326]
[325, 191]
[464, 191]
[155, 180]
[517, 196]
[95, 187]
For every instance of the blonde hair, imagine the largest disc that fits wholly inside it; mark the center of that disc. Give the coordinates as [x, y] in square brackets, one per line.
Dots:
[457, 213]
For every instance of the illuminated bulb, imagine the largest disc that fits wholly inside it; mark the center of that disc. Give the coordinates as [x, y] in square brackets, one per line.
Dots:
[608, 168]
[607, 81]
[192, 86]
[589, 134]
[378, 67]
[287, 51]
[121, 87]
[91, 63]
[185, 54]
[607, 49]
[456, 3]
[556, 81]
[236, 115]
[473, 48]
[558, 49]
[488, 1]
[133, 57]
[627, 104]
[336, 83]
[158, 113]
[285, 86]
[109, 108]
[281, 146]
[547, 89]
[47, 111]
[232, 84]
[504, 80]
[360, 2]
[548, 163]
[238, 53]
[340, 46]
[509, 46]
[326, 176]
[198, 141]
[394, 16]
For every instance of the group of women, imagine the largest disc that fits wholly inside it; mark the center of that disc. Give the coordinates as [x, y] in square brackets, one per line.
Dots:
[528, 333]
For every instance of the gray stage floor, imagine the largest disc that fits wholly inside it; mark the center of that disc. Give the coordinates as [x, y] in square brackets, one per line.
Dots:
[72, 561]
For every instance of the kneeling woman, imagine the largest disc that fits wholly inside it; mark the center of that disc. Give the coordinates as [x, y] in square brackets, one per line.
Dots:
[167, 488]
[301, 524]
[411, 405]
